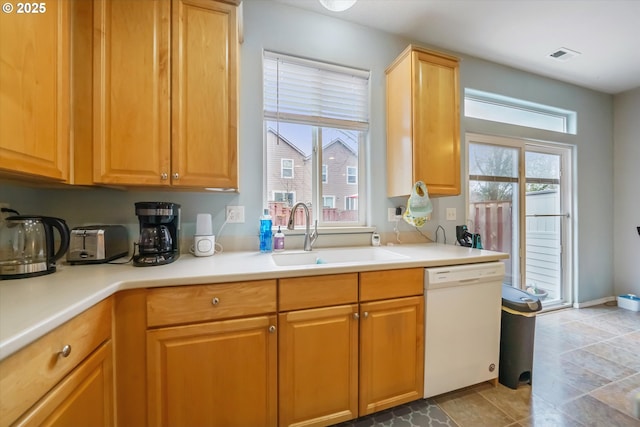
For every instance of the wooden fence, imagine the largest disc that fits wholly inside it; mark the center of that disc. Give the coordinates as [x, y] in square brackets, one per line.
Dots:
[493, 221]
[280, 212]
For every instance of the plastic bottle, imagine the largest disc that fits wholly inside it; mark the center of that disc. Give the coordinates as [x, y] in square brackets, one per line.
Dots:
[278, 241]
[266, 235]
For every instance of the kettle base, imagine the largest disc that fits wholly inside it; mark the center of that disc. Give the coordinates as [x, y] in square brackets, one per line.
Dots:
[11, 272]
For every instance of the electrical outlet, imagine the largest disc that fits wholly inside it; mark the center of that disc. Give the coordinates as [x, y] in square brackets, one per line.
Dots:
[235, 214]
[451, 214]
[391, 215]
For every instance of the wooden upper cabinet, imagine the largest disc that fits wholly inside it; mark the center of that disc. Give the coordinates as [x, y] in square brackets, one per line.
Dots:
[423, 123]
[165, 93]
[131, 128]
[34, 91]
[204, 94]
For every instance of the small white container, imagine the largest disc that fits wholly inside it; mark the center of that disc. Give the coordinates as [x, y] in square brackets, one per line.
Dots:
[629, 302]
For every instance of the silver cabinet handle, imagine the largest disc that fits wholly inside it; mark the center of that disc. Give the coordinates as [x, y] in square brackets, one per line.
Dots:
[272, 329]
[215, 301]
[365, 314]
[176, 175]
[164, 176]
[356, 316]
[66, 351]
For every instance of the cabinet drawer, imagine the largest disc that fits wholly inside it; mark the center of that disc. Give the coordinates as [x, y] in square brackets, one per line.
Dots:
[318, 291]
[376, 285]
[28, 374]
[82, 398]
[187, 304]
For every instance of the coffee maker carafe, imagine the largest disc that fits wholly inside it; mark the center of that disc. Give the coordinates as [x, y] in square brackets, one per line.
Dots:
[159, 240]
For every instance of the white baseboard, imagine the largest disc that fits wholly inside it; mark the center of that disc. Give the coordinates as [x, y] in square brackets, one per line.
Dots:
[593, 302]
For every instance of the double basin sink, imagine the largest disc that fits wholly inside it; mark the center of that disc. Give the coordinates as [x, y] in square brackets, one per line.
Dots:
[335, 256]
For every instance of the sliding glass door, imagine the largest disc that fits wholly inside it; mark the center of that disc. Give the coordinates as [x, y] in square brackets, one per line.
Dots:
[494, 201]
[547, 222]
[519, 202]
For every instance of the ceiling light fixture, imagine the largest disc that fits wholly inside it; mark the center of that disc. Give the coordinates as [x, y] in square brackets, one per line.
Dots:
[337, 5]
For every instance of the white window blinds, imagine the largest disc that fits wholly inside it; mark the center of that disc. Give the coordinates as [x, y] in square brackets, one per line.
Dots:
[309, 92]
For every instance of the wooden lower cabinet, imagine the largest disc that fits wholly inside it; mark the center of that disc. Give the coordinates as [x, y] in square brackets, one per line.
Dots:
[391, 353]
[83, 398]
[318, 366]
[57, 378]
[220, 374]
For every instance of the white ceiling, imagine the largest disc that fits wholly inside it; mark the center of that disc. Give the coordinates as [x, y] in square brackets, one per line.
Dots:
[518, 33]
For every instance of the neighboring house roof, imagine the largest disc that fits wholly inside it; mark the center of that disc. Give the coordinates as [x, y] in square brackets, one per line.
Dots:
[285, 140]
[340, 141]
[302, 153]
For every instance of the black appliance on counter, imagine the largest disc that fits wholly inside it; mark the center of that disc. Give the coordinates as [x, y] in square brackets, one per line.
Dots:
[467, 239]
[27, 247]
[159, 241]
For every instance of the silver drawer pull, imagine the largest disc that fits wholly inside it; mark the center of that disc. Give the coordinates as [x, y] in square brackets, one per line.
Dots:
[365, 314]
[356, 316]
[66, 351]
[272, 328]
[215, 301]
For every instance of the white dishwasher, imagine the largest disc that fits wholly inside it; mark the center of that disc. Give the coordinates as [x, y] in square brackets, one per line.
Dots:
[462, 325]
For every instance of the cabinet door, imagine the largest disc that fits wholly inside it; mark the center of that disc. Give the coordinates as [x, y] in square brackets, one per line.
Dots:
[131, 92]
[436, 124]
[318, 366]
[34, 90]
[83, 398]
[204, 94]
[213, 374]
[391, 353]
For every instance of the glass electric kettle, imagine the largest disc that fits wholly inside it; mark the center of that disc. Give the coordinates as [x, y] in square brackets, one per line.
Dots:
[27, 246]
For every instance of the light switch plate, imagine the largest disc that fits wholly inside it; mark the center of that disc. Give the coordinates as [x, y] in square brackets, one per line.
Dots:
[451, 214]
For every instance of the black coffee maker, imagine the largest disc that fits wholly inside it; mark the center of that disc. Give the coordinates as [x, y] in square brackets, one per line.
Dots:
[159, 239]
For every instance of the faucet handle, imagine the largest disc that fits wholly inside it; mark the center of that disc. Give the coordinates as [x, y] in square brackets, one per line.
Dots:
[314, 233]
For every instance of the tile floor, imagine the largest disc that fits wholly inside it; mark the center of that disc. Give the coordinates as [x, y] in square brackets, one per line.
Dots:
[586, 370]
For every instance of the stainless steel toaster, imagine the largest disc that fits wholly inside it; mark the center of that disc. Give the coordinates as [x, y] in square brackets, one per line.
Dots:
[95, 244]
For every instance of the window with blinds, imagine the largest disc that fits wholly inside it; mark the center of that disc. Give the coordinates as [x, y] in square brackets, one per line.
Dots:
[317, 116]
[304, 91]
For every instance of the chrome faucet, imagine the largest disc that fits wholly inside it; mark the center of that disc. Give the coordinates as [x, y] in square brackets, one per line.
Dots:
[309, 238]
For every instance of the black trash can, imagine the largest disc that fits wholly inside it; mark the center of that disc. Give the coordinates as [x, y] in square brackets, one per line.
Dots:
[517, 336]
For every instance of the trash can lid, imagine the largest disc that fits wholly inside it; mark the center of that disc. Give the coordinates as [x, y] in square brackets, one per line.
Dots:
[520, 300]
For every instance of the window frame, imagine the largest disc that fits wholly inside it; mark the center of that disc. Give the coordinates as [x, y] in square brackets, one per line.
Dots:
[353, 120]
[332, 198]
[355, 175]
[283, 168]
[293, 194]
[508, 104]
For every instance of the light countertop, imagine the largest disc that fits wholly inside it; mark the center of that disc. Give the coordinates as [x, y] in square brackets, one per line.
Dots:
[29, 308]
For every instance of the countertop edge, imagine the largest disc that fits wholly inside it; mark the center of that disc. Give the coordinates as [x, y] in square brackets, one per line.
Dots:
[24, 335]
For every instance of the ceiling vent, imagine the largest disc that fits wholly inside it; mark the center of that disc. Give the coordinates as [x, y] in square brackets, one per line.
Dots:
[563, 54]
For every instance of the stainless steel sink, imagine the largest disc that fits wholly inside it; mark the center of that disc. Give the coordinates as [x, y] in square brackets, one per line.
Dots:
[335, 256]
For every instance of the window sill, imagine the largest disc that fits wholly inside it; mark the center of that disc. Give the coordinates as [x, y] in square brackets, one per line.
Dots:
[329, 230]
